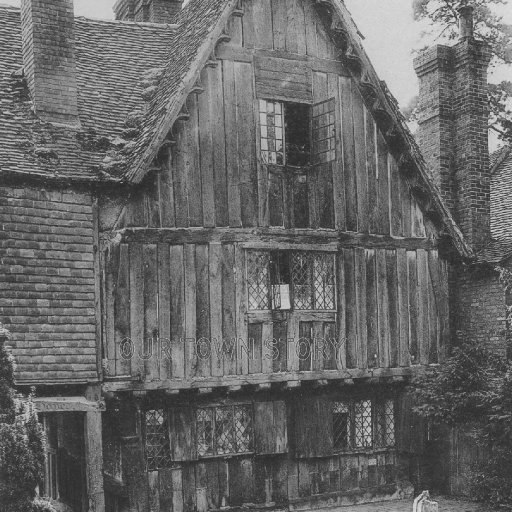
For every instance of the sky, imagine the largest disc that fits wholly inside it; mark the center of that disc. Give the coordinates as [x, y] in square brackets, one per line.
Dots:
[389, 30]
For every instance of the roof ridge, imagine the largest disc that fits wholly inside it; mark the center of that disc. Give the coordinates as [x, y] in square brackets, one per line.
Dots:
[141, 24]
[10, 7]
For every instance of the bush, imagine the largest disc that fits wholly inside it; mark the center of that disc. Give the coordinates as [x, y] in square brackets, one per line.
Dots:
[474, 387]
[21, 445]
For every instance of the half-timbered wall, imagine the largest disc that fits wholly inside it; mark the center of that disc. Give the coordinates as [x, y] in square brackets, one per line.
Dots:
[200, 454]
[182, 313]
[215, 176]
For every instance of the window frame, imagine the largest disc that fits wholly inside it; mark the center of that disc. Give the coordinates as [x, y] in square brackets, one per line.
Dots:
[166, 434]
[215, 408]
[315, 259]
[169, 461]
[376, 445]
[296, 188]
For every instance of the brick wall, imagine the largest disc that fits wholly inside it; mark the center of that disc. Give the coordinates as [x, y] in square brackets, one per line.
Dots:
[47, 283]
[154, 11]
[480, 308]
[49, 58]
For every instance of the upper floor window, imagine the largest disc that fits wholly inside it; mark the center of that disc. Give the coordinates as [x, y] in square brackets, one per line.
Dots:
[285, 133]
[297, 144]
[282, 280]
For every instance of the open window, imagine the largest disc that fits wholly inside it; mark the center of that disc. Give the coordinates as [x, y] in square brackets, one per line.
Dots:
[298, 145]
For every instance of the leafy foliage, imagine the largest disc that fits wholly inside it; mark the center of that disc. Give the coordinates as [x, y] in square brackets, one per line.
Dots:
[21, 446]
[489, 26]
[473, 388]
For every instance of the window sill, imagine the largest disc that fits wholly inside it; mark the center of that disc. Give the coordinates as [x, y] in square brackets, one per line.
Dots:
[365, 451]
[225, 456]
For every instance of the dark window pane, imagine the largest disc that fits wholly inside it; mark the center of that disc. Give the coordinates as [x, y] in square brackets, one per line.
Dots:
[296, 117]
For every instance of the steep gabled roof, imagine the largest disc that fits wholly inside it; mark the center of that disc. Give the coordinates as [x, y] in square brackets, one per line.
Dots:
[118, 144]
[201, 24]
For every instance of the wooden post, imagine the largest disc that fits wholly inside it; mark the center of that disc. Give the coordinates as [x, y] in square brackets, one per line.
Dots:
[94, 455]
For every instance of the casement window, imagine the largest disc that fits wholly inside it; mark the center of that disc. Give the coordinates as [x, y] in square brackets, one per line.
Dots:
[191, 433]
[224, 430]
[156, 431]
[297, 147]
[363, 424]
[284, 280]
[324, 426]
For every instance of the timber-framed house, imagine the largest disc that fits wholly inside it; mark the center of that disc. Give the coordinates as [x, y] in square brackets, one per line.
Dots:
[224, 256]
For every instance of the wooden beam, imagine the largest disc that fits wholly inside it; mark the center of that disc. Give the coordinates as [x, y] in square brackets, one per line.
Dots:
[264, 381]
[236, 53]
[94, 461]
[67, 404]
[266, 238]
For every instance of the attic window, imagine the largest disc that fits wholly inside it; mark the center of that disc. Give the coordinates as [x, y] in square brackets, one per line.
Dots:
[298, 145]
[285, 133]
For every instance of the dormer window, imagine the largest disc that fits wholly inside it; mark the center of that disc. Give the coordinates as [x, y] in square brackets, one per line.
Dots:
[297, 147]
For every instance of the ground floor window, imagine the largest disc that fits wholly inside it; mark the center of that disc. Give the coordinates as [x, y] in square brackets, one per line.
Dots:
[360, 424]
[158, 454]
[224, 430]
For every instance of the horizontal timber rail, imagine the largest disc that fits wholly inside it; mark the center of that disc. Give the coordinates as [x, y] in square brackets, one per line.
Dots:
[266, 237]
[290, 379]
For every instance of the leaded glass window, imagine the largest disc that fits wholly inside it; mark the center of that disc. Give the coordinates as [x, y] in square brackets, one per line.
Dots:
[341, 422]
[224, 430]
[323, 281]
[385, 423]
[158, 454]
[272, 133]
[304, 280]
[204, 429]
[363, 424]
[258, 279]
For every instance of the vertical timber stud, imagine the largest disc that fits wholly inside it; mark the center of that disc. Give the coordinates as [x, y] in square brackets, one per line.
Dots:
[94, 454]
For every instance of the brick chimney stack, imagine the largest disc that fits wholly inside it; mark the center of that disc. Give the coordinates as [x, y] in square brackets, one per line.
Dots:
[453, 125]
[48, 43]
[152, 11]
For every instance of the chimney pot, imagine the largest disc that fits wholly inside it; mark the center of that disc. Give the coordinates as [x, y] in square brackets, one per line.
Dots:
[466, 24]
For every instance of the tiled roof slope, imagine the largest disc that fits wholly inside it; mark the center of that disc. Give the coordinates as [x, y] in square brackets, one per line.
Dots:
[499, 248]
[112, 60]
[199, 26]
[501, 195]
